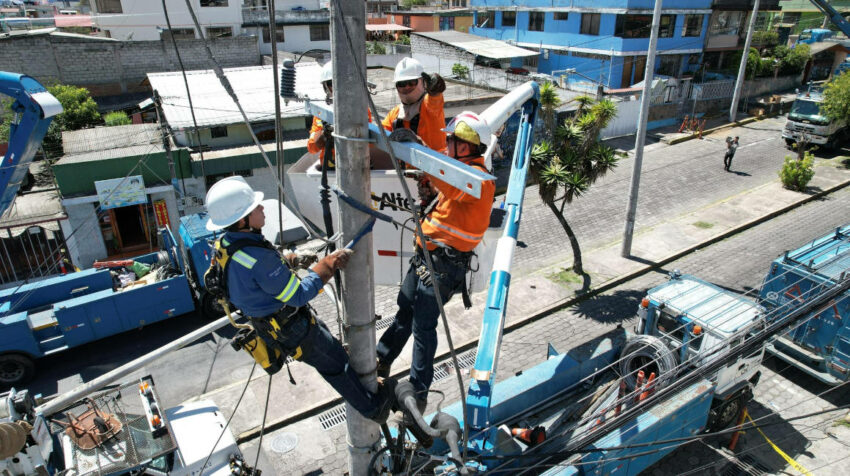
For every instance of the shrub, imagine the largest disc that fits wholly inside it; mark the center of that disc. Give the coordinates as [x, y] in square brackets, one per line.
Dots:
[375, 48]
[117, 118]
[796, 174]
[460, 71]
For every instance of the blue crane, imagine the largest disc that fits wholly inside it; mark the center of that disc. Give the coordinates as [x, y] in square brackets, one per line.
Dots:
[34, 108]
[834, 16]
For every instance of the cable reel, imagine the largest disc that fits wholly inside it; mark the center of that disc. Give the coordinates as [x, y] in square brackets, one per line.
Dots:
[650, 354]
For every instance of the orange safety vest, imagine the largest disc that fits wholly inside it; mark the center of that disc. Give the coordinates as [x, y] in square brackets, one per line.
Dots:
[312, 146]
[459, 220]
[428, 125]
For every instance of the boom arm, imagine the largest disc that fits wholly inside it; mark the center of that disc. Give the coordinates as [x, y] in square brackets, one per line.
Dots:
[34, 108]
[833, 15]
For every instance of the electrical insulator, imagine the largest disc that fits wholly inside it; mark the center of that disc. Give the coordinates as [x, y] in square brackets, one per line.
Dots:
[287, 80]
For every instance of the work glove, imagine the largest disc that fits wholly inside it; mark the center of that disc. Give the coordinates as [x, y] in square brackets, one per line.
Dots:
[434, 83]
[426, 190]
[326, 266]
[301, 259]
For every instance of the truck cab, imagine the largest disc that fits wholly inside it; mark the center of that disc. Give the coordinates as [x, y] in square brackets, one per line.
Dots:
[701, 322]
[807, 122]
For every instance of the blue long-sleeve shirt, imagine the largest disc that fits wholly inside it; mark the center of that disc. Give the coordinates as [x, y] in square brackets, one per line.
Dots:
[260, 282]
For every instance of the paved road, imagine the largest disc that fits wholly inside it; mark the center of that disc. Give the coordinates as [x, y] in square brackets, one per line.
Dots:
[738, 263]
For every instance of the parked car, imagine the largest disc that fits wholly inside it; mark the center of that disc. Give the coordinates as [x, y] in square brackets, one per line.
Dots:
[519, 71]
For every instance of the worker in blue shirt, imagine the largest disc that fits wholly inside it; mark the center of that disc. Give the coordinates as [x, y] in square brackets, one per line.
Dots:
[262, 284]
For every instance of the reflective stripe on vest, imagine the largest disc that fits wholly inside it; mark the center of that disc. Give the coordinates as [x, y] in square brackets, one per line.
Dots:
[453, 231]
[244, 259]
[289, 289]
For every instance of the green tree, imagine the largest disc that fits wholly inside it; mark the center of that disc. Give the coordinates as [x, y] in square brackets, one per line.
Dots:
[549, 101]
[117, 118]
[836, 98]
[375, 48]
[575, 159]
[409, 3]
[79, 112]
[460, 71]
[792, 60]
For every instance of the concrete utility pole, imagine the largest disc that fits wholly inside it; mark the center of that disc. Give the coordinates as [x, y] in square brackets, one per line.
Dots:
[645, 99]
[352, 176]
[742, 69]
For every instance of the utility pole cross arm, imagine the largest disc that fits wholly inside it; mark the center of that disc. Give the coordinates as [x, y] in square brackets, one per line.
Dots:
[449, 170]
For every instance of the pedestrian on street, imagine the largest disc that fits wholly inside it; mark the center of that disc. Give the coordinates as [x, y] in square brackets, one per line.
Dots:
[452, 230]
[731, 148]
[262, 284]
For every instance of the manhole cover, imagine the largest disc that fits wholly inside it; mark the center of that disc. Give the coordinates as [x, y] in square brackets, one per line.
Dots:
[284, 443]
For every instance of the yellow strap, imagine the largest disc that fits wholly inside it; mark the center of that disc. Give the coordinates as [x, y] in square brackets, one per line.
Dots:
[781, 453]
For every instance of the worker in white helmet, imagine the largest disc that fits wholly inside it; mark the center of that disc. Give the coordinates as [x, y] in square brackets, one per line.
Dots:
[452, 229]
[263, 285]
[320, 133]
[421, 108]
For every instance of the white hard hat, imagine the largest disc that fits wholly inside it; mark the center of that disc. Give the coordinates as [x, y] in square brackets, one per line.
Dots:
[327, 72]
[470, 127]
[229, 200]
[408, 68]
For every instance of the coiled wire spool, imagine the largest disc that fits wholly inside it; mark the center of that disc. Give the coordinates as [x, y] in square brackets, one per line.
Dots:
[650, 354]
[162, 259]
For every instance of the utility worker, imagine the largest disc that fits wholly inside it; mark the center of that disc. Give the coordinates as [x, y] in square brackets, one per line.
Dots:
[421, 108]
[320, 136]
[452, 230]
[263, 286]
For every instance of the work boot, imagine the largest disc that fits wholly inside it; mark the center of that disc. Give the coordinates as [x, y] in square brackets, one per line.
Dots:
[386, 398]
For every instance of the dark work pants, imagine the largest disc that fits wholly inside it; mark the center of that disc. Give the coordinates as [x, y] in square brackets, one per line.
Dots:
[418, 314]
[727, 160]
[322, 351]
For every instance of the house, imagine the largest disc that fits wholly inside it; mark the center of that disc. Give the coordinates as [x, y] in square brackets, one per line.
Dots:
[459, 19]
[727, 30]
[300, 26]
[599, 42]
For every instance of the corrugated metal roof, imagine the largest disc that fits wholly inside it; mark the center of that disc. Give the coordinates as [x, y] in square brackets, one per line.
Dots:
[213, 107]
[821, 46]
[106, 154]
[478, 45]
[115, 137]
[387, 27]
[36, 208]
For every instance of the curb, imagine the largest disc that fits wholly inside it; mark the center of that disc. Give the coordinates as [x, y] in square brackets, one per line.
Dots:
[742, 122]
[556, 306]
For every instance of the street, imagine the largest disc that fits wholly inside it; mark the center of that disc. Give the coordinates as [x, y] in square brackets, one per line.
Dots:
[676, 179]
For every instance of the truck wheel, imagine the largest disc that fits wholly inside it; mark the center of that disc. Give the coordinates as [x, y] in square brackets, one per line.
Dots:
[725, 414]
[210, 308]
[15, 369]
[789, 143]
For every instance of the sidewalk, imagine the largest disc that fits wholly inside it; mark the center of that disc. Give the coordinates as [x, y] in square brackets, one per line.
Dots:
[539, 293]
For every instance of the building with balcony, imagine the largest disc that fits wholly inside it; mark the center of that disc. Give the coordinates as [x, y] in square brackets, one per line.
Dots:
[727, 29]
[300, 26]
[601, 41]
[458, 19]
[138, 21]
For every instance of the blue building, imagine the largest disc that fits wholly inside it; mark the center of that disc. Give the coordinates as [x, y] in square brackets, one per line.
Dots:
[605, 41]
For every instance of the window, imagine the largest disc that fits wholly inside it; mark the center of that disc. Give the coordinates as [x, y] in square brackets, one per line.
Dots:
[178, 34]
[726, 23]
[530, 61]
[589, 24]
[670, 65]
[486, 19]
[320, 33]
[278, 34]
[633, 26]
[109, 6]
[665, 28]
[562, 16]
[218, 132]
[211, 179]
[535, 21]
[213, 3]
[508, 18]
[219, 31]
[693, 25]
[405, 20]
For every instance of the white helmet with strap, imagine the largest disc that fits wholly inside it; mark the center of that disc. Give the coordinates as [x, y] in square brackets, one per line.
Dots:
[327, 72]
[407, 69]
[470, 127]
[229, 200]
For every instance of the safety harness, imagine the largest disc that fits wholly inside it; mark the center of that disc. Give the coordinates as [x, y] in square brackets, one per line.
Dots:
[260, 338]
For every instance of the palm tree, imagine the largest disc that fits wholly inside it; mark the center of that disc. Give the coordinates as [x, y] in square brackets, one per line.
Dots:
[549, 101]
[566, 167]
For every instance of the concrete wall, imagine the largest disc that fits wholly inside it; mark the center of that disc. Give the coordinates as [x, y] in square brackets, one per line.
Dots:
[109, 67]
[237, 134]
[439, 57]
[296, 38]
[145, 19]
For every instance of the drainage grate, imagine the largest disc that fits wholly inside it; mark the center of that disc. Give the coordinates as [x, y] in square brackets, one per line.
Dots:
[444, 369]
[744, 465]
[333, 417]
[384, 323]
